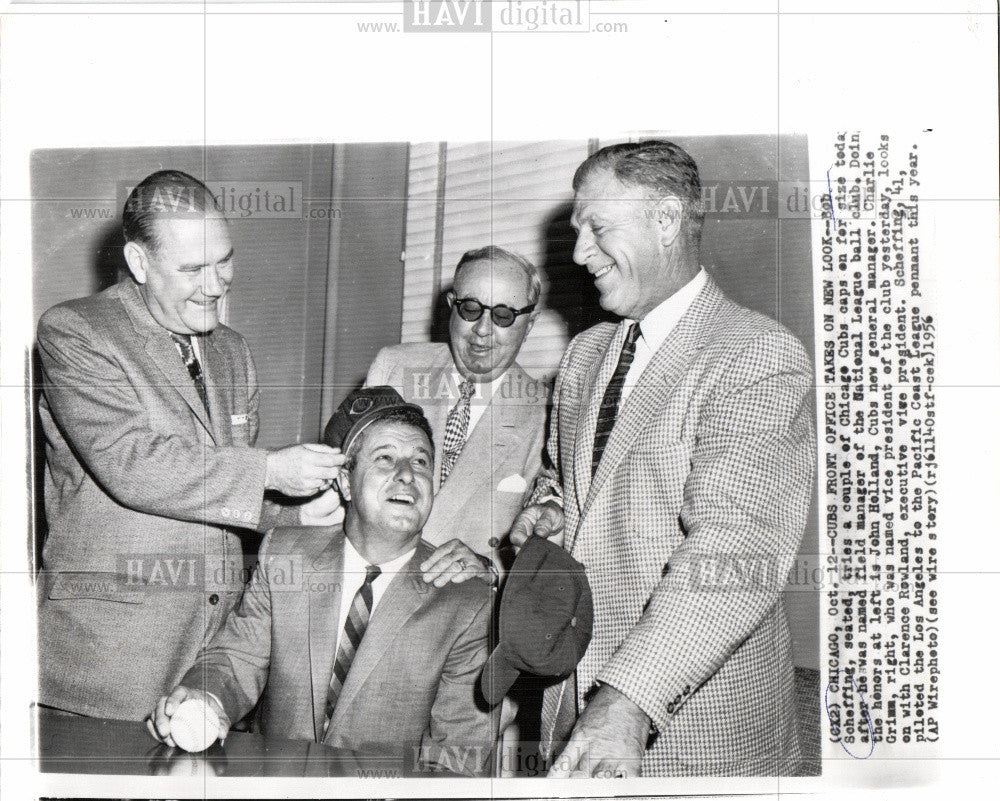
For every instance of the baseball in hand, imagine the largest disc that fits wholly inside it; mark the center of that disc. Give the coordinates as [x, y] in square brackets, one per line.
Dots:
[194, 726]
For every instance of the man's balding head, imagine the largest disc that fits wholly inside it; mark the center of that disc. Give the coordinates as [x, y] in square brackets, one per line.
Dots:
[482, 349]
[161, 196]
[178, 250]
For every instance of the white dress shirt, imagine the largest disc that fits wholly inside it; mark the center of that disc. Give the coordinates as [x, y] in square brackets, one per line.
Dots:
[656, 326]
[353, 576]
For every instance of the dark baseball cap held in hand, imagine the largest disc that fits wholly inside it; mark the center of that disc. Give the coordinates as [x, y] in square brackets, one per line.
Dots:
[546, 618]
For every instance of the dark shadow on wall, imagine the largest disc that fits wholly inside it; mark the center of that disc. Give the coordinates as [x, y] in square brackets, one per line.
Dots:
[36, 449]
[571, 293]
[440, 317]
[109, 259]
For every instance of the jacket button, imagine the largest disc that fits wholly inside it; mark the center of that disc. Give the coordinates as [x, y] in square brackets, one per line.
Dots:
[213, 599]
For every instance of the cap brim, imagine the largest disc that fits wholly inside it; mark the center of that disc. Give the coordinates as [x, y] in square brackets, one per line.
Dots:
[498, 676]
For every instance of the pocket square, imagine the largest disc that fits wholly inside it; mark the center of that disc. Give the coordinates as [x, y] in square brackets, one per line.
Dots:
[513, 483]
[239, 419]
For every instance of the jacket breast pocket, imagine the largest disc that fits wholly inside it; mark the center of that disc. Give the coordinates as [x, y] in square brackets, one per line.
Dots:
[655, 477]
[239, 425]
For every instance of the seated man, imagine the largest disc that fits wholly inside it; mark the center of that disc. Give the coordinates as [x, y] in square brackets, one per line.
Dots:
[487, 414]
[348, 644]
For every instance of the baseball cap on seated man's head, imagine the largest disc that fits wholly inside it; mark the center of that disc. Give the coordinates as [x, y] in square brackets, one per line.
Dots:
[546, 618]
[370, 405]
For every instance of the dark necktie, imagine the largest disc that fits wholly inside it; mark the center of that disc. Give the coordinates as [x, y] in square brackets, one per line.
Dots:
[456, 428]
[193, 366]
[612, 395]
[350, 639]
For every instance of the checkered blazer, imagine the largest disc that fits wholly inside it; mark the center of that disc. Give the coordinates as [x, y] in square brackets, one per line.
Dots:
[688, 530]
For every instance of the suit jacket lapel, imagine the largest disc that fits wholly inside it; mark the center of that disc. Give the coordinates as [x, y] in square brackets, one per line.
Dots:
[219, 389]
[402, 598]
[324, 614]
[657, 382]
[163, 352]
[437, 410]
[598, 374]
[496, 432]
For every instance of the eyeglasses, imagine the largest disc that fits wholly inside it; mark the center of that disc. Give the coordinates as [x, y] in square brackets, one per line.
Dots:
[470, 310]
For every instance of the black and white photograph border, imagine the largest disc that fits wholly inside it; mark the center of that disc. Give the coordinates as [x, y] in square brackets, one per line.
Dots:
[317, 139]
[344, 249]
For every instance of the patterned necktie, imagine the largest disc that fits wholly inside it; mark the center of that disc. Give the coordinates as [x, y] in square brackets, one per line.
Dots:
[456, 429]
[193, 366]
[354, 630]
[612, 395]
[559, 714]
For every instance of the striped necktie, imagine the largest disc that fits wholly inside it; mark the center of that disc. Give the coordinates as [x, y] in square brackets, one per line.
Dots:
[612, 395]
[354, 630]
[186, 349]
[559, 714]
[456, 428]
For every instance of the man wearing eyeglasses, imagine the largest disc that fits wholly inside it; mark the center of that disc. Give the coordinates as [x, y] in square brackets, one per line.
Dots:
[486, 412]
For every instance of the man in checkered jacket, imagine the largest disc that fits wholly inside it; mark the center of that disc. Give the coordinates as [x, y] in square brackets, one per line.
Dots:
[682, 453]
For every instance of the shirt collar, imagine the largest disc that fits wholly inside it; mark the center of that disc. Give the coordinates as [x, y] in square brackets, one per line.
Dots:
[656, 326]
[356, 563]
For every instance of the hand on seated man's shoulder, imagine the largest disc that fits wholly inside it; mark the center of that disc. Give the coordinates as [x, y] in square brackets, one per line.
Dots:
[456, 562]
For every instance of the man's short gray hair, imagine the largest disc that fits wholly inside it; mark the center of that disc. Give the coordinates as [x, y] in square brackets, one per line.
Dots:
[659, 166]
[494, 253]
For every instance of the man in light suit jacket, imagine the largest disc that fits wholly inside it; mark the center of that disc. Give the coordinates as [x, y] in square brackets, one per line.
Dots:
[149, 409]
[393, 673]
[682, 440]
[485, 473]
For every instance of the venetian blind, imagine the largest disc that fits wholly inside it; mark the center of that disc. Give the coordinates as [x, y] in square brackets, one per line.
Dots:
[513, 195]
